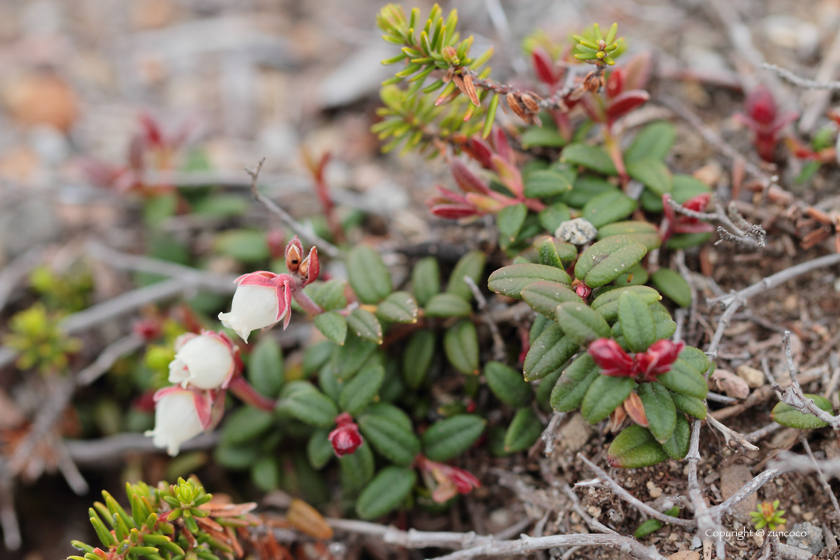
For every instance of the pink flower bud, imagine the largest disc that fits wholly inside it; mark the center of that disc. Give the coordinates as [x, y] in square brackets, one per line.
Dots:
[611, 358]
[261, 300]
[761, 107]
[180, 415]
[583, 290]
[204, 361]
[445, 481]
[658, 358]
[345, 438]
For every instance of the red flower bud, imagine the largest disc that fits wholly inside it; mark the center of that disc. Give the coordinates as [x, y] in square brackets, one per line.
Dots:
[345, 439]
[583, 290]
[147, 329]
[543, 66]
[615, 82]
[658, 358]
[761, 107]
[611, 358]
[480, 151]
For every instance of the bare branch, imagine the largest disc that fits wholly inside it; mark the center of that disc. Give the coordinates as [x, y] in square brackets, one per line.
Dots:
[301, 230]
[798, 81]
[804, 441]
[499, 353]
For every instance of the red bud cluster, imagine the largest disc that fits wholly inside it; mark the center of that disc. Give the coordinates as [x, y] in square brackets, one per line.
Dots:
[643, 366]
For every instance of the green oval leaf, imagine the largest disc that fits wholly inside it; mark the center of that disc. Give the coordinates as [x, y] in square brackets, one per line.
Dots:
[418, 356]
[265, 367]
[677, 445]
[447, 305]
[509, 221]
[696, 358]
[581, 323]
[460, 344]
[471, 265]
[788, 416]
[590, 157]
[625, 228]
[386, 492]
[347, 359]
[567, 395]
[368, 275]
[243, 245]
[332, 325]
[684, 379]
[359, 391]
[653, 174]
[301, 400]
[399, 307]
[604, 396]
[365, 324]
[510, 280]
[659, 410]
[637, 323]
[545, 136]
[586, 188]
[608, 207]
[552, 216]
[548, 353]
[690, 405]
[545, 183]
[523, 431]
[329, 295]
[246, 424]
[265, 474]
[635, 447]
[654, 141]
[389, 431]
[545, 387]
[316, 355]
[425, 280]
[615, 264]
[544, 297]
[599, 251]
[673, 286]
[607, 304]
[648, 527]
[507, 384]
[319, 450]
[357, 469]
[448, 438]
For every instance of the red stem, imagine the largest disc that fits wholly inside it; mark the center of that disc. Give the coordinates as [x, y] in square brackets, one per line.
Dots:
[247, 394]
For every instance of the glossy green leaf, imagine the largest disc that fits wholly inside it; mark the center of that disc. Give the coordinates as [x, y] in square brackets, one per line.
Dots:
[636, 276]
[695, 358]
[510, 280]
[447, 305]
[386, 492]
[654, 141]
[690, 405]
[591, 157]
[548, 353]
[637, 323]
[301, 400]
[607, 208]
[448, 438]
[357, 469]
[677, 445]
[510, 220]
[460, 344]
[545, 386]
[544, 297]
[365, 325]
[687, 187]
[567, 394]
[552, 216]
[523, 432]
[347, 359]
[332, 325]
[425, 280]
[319, 450]
[389, 431]
[597, 252]
[368, 275]
[635, 447]
[548, 254]
[537, 327]
[659, 410]
[265, 367]
[543, 136]
[265, 474]
[418, 356]
[542, 184]
[788, 416]
[581, 323]
[471, 265]
[614, 265]
[672, 285]
[507, 384]
[329, 295]
[653, 174]
[687, 240]
[684, 379]
[360, 391]
[648, 527]
[399, 307]
[625, 228]
[607, 304]
[604, 396]
[316, 355]
[246, 424]
[587, 187]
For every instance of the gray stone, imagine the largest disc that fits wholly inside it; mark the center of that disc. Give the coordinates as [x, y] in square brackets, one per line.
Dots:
[577, 232]
[793, 553]
[732, 478]
[806, 537]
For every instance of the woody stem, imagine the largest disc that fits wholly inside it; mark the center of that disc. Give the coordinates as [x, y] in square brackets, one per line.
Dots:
[306, 302]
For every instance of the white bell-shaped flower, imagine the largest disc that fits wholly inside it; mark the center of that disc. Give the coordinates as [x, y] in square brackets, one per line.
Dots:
[254, 307]
[204, 361]
[177, 418]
